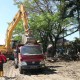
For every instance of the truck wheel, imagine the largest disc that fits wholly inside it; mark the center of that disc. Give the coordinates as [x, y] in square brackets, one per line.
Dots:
[42, 69]
[15, 63]
[16, 66]
[21, 71]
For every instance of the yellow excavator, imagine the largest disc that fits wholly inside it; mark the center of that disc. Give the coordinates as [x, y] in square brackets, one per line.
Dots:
[21, 14]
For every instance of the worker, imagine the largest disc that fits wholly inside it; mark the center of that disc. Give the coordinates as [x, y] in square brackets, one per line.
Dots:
[2, 60]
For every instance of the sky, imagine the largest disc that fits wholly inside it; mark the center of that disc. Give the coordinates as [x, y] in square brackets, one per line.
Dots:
[73, 36]
[7, 13]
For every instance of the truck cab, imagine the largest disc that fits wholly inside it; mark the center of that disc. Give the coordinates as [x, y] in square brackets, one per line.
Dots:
[29, 56]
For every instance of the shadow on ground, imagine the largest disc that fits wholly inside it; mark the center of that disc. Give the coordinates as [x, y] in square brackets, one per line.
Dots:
[9, 78]
[48, 70]
[53, 66]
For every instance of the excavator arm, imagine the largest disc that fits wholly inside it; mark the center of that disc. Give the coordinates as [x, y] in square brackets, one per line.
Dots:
[20, 15]
[10, 30]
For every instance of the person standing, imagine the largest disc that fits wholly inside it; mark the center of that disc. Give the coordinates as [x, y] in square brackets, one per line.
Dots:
[2, 60]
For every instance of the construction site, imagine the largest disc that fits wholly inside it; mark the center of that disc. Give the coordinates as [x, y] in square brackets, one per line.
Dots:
[36, 47]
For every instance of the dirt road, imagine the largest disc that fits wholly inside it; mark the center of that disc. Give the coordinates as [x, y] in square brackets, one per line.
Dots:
[55, 71]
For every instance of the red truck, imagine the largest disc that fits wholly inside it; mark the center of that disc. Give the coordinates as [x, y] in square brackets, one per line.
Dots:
[29, 56]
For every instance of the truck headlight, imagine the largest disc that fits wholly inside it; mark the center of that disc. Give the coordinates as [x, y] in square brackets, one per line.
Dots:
[42, 62]
[23, 63]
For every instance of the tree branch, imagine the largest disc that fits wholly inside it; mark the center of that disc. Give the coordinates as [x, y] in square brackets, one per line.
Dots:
[69, 34]
[39, 6]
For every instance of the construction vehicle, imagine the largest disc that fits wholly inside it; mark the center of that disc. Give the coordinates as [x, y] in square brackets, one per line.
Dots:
[30, 54]
[21, 14]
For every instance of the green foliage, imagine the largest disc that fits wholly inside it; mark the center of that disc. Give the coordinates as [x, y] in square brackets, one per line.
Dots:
[17, 38]
[19, 30]
[47, 19]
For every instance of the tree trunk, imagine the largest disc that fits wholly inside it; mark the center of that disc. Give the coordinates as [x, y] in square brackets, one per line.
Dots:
[55, 47]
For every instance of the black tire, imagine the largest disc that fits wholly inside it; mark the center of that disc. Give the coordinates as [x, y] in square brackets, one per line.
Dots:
[21, 70]
[41, 70]
[16, 66]
[15, 63]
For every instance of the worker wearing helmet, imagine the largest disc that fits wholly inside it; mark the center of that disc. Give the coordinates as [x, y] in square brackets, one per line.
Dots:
[2, 60]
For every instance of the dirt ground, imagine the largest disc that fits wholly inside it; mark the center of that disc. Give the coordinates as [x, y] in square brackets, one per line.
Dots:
[54, 71]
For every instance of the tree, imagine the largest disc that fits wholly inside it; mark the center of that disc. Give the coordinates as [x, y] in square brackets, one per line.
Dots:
[51, 24]
[46, 21]
[72, 9]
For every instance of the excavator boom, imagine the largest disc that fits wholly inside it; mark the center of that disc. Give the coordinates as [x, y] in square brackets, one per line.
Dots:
[21, 14]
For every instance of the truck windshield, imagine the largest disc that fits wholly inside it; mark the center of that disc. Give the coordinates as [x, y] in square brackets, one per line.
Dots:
[31, 50]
